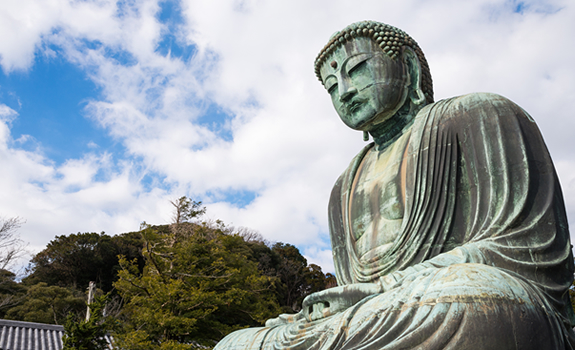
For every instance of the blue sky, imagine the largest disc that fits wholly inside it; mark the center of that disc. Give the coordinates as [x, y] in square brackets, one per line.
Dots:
[50, 98]
[110, 109]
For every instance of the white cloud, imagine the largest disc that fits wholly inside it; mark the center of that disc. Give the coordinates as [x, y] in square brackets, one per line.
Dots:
[254, 60]
[7, 113]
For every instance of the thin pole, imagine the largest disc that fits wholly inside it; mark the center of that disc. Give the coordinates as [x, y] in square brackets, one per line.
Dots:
[91, 289]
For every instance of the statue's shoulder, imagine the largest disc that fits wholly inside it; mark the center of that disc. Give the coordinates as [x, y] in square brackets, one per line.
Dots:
[481, 100]
[473, 107]
[350, 170]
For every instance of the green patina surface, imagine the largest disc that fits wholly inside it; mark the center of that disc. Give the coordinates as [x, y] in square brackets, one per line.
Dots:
[448, 231]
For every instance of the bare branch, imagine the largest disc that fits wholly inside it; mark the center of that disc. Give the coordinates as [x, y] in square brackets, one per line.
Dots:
[11, 246]
[204, 276]
[249, 235]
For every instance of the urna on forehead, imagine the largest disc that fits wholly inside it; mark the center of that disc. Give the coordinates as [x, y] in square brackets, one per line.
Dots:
[389, 39]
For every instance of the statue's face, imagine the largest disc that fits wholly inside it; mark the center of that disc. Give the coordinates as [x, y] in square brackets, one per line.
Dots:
[366, 86]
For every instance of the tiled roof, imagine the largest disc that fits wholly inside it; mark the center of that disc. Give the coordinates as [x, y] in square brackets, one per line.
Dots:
[18, 335]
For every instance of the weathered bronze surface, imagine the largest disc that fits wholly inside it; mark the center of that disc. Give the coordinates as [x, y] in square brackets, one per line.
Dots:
[448, 231]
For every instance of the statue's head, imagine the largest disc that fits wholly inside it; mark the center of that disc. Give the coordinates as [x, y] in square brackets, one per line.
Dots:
[373, 70]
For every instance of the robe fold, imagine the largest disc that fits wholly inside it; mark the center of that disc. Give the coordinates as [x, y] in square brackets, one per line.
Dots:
[482, 259]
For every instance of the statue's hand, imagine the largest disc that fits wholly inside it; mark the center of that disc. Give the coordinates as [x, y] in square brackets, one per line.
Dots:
[284, 319]
[331, 301]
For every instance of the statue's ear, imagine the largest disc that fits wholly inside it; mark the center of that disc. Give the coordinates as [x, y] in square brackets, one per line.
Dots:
[414, 69]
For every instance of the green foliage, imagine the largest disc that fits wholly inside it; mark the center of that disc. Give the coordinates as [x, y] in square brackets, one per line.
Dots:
[297, 278]
[198, 284]
[290, 270]
[75, 260]
[315, 280]
[89, 335]
[11, 292]
[47, 304]
[186, 209]
[139, 340]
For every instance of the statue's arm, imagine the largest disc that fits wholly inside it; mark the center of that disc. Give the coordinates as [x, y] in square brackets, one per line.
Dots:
[508, 210]
[334, 300]
[489, 136]
[328, 302]
[468, 253]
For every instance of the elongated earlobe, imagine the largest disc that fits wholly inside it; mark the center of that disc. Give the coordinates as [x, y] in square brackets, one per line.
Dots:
[416, 94]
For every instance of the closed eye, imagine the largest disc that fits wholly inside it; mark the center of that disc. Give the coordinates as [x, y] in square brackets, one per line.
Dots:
[356, 62]
[356, 68]
[330, 83]
[332, 88]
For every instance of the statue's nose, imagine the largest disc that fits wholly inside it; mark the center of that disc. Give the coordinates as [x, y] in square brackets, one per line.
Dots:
[345, 87]
[346, 93]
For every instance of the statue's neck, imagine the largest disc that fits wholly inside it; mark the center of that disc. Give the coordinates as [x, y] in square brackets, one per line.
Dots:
[386, 133]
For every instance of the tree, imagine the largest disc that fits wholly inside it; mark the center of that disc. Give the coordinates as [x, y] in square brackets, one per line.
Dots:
[11, 292]
[47, 304]
[291, 270]
[75, 260]
[91, 334]
[295, 278]
[11, 246]
[197, 288]
[298, 278]
[315, 280]
[186, 209]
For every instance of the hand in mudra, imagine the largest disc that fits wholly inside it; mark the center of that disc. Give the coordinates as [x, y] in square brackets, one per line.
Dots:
[331, 301]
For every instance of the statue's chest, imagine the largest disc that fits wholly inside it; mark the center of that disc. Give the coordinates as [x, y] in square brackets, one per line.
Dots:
[376, 205]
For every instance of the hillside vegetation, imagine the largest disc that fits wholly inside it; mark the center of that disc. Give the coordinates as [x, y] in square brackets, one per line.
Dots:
[181, 285]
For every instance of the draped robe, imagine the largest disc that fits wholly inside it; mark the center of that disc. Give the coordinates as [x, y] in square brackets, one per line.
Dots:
[482, 259]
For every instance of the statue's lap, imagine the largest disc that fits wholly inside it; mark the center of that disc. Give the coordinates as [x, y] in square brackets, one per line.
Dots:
[464, 306]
